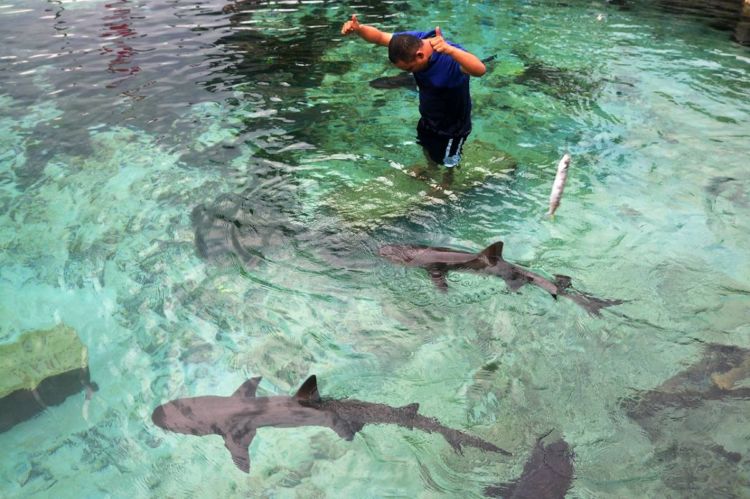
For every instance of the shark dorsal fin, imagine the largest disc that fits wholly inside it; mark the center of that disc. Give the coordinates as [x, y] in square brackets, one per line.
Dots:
[409, 413]
[308, 392]
[493, 251]
[248, 388]
[411, 409]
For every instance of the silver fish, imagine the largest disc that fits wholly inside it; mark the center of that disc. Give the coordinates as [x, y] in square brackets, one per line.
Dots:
[559, 185]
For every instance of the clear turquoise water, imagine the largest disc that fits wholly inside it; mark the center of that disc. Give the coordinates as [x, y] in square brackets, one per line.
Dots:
[131, 130]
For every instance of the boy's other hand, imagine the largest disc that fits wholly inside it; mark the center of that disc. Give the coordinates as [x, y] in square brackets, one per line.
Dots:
[350, 26]
[439, 44]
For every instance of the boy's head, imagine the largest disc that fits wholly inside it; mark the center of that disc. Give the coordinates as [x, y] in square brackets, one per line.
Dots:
[408, 52]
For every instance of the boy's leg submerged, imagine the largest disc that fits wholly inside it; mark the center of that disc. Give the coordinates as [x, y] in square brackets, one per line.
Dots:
[441, 150]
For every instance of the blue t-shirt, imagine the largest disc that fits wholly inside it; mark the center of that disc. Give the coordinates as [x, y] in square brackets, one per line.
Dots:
[444, 99]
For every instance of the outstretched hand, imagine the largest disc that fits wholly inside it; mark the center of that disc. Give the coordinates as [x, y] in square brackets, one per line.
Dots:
[350, 26]
[439, 44]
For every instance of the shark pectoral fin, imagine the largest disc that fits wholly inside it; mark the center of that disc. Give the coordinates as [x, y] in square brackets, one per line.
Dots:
[248, 388]
[308, 392]
[346, 429]
[493, 252]
[438, 278]
[239, 448]
[515, 283]
[457, 447]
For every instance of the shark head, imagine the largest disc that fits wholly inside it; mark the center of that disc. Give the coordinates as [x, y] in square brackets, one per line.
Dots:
[177, 416]
[198, 415]
[397, 253]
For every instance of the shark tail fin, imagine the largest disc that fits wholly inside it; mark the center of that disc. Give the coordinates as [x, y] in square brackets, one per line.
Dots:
[494, 251]
[248, 388]
[308, 392]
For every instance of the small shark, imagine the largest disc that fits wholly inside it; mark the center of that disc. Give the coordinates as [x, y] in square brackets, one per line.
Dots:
[547, 474]
[404, 80]
[237, 417]
[439, 261]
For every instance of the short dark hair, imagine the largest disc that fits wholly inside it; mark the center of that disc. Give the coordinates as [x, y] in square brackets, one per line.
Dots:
[403, 48]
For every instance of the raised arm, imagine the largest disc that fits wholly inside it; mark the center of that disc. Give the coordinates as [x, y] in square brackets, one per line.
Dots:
[367, 33]
[470, 64]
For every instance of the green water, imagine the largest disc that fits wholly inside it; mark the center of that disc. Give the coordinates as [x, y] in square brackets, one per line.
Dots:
[130, 133]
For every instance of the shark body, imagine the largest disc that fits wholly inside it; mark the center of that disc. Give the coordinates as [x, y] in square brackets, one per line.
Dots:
[712, 378]
[236, 418]
[439, 261]
[547, 474]
[404, 80]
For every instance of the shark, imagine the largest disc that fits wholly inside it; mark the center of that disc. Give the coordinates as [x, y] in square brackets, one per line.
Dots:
[713, 378]
[439, 261]
[405, 80]
[547, 474]
[237, 418]
[709, 392]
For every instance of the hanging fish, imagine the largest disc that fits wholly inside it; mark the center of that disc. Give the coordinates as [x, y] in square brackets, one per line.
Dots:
[559, 185]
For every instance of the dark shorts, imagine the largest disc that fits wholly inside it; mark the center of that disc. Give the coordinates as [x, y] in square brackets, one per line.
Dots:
[442, 149]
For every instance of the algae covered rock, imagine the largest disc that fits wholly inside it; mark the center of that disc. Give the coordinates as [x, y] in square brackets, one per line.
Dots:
[400, 189]
[39, 369]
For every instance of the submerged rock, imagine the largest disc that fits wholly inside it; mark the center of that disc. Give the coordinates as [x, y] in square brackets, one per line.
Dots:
[40, 369]
[397, 191]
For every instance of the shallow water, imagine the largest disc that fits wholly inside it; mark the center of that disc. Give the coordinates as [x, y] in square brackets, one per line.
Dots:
[200, 192]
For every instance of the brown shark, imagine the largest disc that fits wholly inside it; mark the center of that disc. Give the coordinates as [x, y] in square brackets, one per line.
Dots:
[709, 391]
[404, 80]
[711, 378]
[439, 261]
[237, 417]
[547, 474]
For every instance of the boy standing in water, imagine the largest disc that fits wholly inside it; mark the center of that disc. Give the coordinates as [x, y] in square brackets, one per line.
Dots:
[441, 70]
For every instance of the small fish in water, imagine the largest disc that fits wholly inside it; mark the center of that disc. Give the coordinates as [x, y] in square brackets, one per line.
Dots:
[547, 474]
[237, 417]
[559, 185]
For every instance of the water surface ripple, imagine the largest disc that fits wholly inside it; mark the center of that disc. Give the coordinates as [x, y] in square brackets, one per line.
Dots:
[200, 190]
